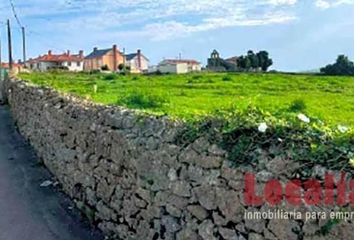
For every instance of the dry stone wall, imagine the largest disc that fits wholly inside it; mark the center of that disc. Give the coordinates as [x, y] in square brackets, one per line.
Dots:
[128, 175]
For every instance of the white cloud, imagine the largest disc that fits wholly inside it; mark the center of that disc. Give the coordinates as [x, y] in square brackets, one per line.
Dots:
[156, 19]
[283, 2]
[322, 4]
[166, 30]
[325, 4]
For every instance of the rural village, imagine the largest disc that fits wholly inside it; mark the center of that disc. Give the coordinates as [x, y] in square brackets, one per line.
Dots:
[114, 60]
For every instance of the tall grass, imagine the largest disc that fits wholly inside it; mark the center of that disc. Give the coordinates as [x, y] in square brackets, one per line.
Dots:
[193, 95]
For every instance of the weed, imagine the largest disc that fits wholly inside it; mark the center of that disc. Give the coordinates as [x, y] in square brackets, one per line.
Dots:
[297, 105]
[141, 101]
[227, 78]
[110, 77]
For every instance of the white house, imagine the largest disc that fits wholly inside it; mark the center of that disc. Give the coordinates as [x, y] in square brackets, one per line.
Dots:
[71, 62]
[137, 62]
[179, 66]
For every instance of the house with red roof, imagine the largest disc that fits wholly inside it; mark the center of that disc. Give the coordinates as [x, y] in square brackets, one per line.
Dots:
[65, 61]
[179, 66]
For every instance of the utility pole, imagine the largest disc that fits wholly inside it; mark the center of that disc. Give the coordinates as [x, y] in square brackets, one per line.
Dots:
[124, 60]
[10, 43]
[0, 61]
[24, 44]
[0, 55]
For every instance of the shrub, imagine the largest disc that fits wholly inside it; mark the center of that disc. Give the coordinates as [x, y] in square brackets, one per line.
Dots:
[96, 71]
[121, 67]
[110, 77]
[105, 68]
[238, 134]
[182, 93]
[58, 69]
[142, 101]
[227, 78]
[297, 105]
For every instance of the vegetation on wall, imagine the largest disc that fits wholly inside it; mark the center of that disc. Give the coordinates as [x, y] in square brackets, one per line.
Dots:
[252, 137]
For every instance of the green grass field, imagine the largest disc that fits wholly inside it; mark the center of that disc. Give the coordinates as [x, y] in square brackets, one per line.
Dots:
[189, 96]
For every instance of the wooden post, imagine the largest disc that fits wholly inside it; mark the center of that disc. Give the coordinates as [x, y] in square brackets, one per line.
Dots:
[24, 44]
[10, 44]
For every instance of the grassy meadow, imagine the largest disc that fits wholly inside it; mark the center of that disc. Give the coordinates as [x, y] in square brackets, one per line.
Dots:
[330, 99]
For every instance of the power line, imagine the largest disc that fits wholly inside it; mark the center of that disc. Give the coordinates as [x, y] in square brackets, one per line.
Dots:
[22, 29]
[15, 13]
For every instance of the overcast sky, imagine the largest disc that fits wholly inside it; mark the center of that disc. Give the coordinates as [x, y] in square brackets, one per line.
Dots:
[299, 34]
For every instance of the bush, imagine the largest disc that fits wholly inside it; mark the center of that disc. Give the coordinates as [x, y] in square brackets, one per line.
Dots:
[297, 105]
[227, 78]
[141, 101]
[121, 67]
[105, 68]
[110, 77]
[58, 69]
[238, 134]
[95, 71]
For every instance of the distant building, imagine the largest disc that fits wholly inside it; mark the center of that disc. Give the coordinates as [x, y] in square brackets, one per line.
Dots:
[99, 59]
[232, 60]
[179, 66]
[218, 64]
[16, 67]
[137, 62]
[215, 63]
[68, 61]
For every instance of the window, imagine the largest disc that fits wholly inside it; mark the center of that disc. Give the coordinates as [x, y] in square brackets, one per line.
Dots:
[78, 64]
[69, 64]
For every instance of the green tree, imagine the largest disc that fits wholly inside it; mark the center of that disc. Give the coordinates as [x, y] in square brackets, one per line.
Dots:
[253, 59]
[244, 63]
[342, 66]
[264, 61]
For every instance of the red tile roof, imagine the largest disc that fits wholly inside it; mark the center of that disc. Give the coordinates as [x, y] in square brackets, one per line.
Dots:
[6, 65]
[176, 61]
[65, 57]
